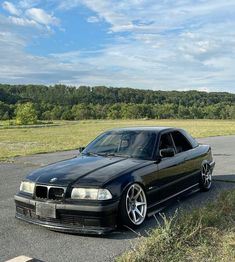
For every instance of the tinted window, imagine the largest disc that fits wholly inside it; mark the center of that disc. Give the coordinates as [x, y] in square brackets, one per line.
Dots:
[137, 144]
[181, 143]
[166, 142]
[191, 140]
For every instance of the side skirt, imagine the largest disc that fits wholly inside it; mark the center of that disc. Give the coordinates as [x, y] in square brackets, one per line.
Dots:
[157, 207]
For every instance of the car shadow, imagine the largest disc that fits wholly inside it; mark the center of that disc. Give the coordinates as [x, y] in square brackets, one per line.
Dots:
[179, 204]
[225, 178]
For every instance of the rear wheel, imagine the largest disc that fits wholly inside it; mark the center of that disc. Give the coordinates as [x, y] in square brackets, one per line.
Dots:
[133, 206]
[206, 177]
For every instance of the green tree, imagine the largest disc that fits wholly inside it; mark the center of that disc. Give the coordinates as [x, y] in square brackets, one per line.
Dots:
[67, 115]
[165, 111]
[47, 115]
[26, 114]
[4, 111]
[83, 111]
[114, 111]
[6, 116]
[100, 102]
[232, 112]
[183, 112]
[57, 112]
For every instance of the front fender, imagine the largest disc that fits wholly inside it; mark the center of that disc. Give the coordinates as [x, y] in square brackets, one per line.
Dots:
[120, 184]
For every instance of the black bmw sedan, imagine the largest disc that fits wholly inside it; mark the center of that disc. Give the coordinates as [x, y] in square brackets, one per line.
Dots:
[119, 178]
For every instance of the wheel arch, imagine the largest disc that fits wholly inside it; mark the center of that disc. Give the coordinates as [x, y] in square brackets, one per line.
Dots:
[205, 161]
[134, 182]
[121, 183]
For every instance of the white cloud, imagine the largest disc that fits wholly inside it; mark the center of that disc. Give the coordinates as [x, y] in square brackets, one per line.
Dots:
[11, 39]
[170, 44]
[161, 15]
[167, 44]
[42, 17]
[93, 19]
[24, 14]
[19, 67]
[21, 28]
[72, 57]
[26, 4]
[11, 8]
[139, 66]
[21, 21]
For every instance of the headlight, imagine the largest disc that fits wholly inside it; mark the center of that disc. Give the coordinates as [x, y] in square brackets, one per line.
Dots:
[91, 194]
[27, 187]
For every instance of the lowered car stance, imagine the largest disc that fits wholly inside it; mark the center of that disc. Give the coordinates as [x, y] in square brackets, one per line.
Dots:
[118, 179]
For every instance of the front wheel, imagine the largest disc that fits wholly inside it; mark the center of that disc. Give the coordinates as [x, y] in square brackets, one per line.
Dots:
[133, 206]
[206, 177]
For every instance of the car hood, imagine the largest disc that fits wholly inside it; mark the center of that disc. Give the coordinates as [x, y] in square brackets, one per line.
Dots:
[86, 170]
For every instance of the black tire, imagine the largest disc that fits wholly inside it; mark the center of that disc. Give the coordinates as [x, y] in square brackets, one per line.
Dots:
[126, 218]
[205, 181]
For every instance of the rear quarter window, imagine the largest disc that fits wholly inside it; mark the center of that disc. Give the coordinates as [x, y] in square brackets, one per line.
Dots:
[193, 141]
[181, 142]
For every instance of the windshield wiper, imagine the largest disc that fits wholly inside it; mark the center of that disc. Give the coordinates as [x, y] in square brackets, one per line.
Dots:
[118, 155]
[90, 154]
[95, 154]
[106, 154]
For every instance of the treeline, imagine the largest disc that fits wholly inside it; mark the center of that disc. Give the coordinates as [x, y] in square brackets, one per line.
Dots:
[71, 103]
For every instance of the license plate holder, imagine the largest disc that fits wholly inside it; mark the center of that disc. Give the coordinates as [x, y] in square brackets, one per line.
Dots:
[46, 210]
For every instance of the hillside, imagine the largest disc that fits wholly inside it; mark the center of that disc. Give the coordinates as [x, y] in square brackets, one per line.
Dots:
[71, 103]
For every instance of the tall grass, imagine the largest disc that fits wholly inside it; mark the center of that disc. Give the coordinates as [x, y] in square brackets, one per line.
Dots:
[202, 234]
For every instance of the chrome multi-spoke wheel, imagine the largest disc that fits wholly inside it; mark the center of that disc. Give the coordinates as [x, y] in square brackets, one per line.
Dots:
[136, 204]
[206, 177]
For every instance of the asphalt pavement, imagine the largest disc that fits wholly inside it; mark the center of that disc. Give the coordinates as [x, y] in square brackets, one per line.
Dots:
[20, 238]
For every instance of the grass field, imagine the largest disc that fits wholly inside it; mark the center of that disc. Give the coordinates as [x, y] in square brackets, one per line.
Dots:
[15, 141]
[202, 234]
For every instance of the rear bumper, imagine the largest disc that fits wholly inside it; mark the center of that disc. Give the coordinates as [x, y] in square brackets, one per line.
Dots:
[71, 218]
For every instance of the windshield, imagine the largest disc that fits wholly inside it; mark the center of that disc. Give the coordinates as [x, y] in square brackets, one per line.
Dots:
[136, 144]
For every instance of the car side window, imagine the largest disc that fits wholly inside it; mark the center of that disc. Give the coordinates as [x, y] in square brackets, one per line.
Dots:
[181, 142]
[166, 142]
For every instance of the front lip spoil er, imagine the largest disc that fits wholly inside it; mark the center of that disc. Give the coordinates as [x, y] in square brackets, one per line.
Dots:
[66, 229]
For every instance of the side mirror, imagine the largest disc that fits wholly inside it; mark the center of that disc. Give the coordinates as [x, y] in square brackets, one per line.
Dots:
[80, 149]
[167, 152]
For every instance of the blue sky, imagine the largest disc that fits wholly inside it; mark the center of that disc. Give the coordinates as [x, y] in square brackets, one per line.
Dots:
[164, 44]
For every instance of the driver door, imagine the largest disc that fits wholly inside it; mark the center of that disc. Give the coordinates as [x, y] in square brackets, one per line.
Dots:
[170, 170]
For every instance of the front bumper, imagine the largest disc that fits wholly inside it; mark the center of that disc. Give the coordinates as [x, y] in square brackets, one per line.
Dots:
[72, 218]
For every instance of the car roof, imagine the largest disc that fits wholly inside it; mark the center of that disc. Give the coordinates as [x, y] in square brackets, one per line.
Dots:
[159, 130]
[145, 128]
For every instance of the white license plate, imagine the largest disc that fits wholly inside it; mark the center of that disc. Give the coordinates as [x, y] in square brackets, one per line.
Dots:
[46, 210]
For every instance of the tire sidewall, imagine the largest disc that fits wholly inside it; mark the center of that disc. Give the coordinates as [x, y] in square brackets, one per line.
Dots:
[202, 185]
